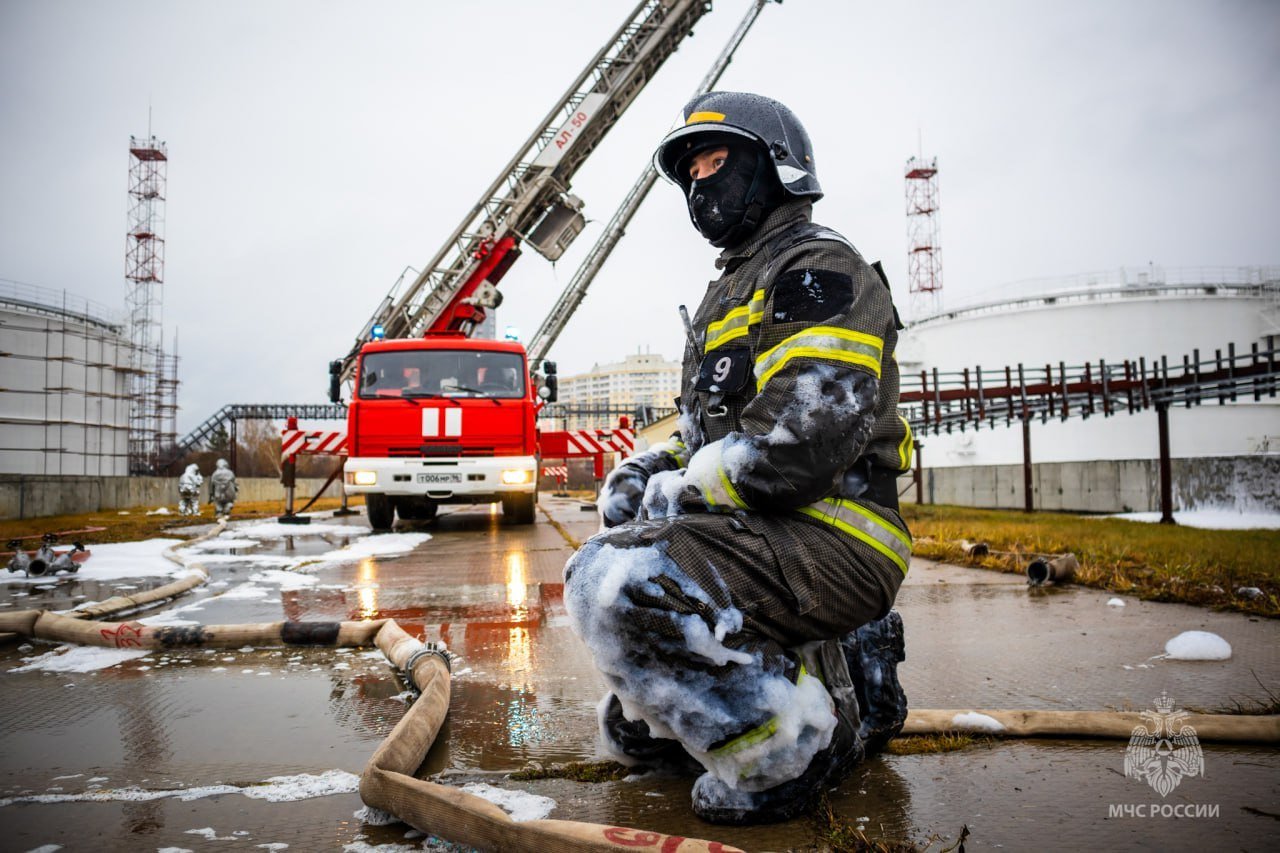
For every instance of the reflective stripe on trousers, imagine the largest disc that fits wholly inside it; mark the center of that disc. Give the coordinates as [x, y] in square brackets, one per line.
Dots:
[863, 524]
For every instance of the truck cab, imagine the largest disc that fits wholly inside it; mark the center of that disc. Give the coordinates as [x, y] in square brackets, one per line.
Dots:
[442, 419]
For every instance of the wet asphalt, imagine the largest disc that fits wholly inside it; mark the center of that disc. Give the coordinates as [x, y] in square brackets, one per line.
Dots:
[524, 690]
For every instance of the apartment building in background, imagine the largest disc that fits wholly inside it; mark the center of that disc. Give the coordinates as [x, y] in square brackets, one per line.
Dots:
[640, 379]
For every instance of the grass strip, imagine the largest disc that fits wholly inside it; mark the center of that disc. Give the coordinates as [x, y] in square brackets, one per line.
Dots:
[135, 524]
[1155, 562]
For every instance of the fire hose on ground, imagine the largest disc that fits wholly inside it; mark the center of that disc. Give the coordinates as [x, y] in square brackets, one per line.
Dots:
[388, 782]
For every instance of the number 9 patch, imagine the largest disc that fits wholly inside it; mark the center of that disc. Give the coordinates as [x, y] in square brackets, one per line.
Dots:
[724, 370]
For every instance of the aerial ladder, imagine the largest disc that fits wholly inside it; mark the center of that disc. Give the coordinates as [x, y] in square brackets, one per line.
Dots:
[576, 290]
[530, 202]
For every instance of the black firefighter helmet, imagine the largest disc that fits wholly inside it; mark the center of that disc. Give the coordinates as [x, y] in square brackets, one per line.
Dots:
[718, 118]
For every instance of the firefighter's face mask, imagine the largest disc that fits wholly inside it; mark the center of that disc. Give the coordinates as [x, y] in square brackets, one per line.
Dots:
[728, 204]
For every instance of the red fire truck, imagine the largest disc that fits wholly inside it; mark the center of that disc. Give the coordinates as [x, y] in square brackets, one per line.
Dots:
[442, 419]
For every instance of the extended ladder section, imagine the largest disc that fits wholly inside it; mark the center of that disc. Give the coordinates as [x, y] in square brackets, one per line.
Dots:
[530, 201]
[574, 292]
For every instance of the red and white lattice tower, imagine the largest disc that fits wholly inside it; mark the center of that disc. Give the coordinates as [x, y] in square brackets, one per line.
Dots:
[924, 252]
[153, 379]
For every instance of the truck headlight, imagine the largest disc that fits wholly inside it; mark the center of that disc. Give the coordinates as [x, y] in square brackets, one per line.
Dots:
[364, 478]
[516, 476]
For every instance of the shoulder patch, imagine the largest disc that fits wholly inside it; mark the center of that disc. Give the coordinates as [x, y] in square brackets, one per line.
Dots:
[805, 295]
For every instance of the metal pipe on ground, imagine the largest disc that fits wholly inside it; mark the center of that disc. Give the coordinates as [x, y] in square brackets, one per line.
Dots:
[1055, 570]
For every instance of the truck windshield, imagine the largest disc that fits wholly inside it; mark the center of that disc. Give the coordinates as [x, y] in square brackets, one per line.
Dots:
[442, 373]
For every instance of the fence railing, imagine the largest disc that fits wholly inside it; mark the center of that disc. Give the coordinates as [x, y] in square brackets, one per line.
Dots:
[940, 401]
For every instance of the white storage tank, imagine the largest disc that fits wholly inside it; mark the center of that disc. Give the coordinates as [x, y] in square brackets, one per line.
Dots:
[1124, 314]
[64, 405]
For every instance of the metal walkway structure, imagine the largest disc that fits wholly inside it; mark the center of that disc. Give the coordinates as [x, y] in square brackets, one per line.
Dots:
[943, 401]
[258, 411]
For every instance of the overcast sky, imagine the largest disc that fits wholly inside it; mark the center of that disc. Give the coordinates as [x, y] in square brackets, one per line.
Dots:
[317, 148]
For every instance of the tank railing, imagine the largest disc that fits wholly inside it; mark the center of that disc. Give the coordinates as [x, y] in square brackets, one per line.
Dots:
[1266, 290]
[1238, 280]
[44, 299]
[942, 400]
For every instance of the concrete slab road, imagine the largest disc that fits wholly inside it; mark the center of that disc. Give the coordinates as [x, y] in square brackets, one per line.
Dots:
[258, 748]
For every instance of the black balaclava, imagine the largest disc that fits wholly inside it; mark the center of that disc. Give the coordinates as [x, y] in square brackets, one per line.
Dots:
[728, 206]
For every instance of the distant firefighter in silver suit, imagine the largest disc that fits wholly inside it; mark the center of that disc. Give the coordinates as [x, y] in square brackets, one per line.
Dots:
[189, 490]
[222, 488]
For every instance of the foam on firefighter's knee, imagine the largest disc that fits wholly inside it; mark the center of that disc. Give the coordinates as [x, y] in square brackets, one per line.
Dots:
[659, 660]
[780, 749]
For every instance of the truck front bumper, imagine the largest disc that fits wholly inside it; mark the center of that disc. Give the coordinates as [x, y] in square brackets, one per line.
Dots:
[460, 479]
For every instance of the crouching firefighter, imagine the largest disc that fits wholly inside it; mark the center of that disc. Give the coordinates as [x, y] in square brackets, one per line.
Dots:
[738, 603]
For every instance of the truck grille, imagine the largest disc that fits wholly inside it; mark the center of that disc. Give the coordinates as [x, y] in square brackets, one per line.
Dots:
[428, 450]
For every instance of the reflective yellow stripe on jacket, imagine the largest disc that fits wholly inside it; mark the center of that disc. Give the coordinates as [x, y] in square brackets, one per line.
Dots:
[829, 342]
[864, 525]
[906, 449]
[735, 324]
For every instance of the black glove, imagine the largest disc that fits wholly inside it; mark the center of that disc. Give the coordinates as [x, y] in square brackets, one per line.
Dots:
[622, 494]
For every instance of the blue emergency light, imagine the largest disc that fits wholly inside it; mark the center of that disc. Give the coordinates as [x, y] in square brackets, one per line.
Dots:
[378, 332]
[512, 333]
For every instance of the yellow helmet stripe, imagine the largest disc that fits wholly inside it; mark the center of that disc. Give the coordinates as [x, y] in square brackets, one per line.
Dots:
[694, 118]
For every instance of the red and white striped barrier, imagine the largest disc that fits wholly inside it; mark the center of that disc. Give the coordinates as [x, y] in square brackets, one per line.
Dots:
[560, 472]
[588, 442]
[311, 442]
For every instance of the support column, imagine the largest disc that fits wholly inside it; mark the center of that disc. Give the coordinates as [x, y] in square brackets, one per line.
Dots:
[1028, 497]
[1166, 465]
[232, 445]
[916, 445]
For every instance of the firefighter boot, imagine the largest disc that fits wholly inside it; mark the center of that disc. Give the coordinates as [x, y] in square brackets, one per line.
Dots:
[873, 653]
[715, 801]
[630, 742]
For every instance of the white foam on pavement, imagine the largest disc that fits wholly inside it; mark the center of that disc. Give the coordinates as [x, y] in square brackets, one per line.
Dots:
[114, 561]
[277, 789]
[1115, 602]
[380, 545]
[80, 659]
[1197, 645]
[519, 804]
[222, 542]
[286, 580]
[276, 530]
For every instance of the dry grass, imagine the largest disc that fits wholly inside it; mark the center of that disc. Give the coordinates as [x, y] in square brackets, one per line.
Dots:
[133, 525]
[837, 834]
[577, 771]
[1149, 561]
[931, 744]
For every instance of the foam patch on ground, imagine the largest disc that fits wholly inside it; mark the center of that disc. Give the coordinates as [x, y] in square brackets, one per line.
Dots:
[1197, 645]
[277, 789]
[276, 530]
[80, 659]
[286, 580]
[381, 545]
[115, 561]
[222, 542]
[519, 804]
